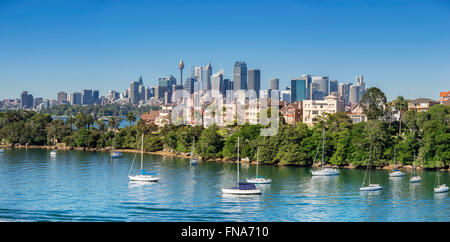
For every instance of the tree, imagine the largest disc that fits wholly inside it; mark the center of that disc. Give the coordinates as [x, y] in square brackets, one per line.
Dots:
[373, 103]
[210, 143]
[131, 117]
[402, 106]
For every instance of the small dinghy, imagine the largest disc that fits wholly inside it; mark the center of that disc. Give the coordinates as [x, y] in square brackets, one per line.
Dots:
[53, 153]
[116, 154]
[2, 150]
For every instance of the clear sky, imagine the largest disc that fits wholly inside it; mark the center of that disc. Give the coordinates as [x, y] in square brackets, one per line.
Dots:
[46, 46]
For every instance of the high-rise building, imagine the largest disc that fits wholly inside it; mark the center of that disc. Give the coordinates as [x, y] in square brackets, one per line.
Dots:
[321, 87]
[308, 82]
[26, 100]
[254, 81]
[333, 86]
[275, 84]
[75, 98]
[96, 97]
[354, 94]
[217, 82]
[133, 94]
[61, 97]
[86, 97]
[362, 86]
[343, 90]
[189, 84]
[285, 95]
[299, 90]
[240, 76]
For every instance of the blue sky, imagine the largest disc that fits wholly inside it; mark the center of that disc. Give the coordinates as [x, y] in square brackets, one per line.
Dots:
[47, 46]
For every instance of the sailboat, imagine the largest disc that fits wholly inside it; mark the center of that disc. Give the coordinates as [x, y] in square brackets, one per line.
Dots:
[144, 176]
[194, 161]
[114, 153]
[259, 179]
[325, 171]
[414, 178]
[397, 172]
[242, 188]
[440, 188]
[369, 187]
[2, 150]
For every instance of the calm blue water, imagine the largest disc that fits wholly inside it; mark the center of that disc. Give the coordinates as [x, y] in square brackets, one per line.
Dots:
[89, 186]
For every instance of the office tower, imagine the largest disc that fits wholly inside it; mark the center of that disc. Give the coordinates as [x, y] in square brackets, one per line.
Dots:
[181, 66]
[285, 95]
[61, 97]
[333, 86]
[189, 85]
[26, 100]
[299, 90]
[254, 81]
[275, 84]
[308, 88]
[96, 96]
[172, 80]
[240, 76]
[343, 90]
[141, 94]
[75, 98]
[198, 73]
[217, 83]
[86, 97]
[354, 94]
[149, 93]
[133, 94]
[226, 84]
[205, 80]
[320, 86]
[37, 101]
[139, 81]
[362, 86]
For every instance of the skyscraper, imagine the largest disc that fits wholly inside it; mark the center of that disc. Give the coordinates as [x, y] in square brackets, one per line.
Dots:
[321, 87]
[354, 94]
[217, 82]
[133, 94]
[343, 90]
[362, 85]
[240, 76]
[299, 90]
[26, 100]
[86, 97]
[275, 84]
[189, 84]
[333, 86]
[254, 81]
[95, 96]
[61, 97]
[75, 98]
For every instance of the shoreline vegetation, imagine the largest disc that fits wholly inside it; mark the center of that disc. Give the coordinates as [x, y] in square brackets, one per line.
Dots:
[420, 139]
[187, 156]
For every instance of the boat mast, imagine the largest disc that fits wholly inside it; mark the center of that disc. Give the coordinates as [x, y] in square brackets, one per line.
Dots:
[142, 152]
[238, 163]
[323, 146]
[257, 162]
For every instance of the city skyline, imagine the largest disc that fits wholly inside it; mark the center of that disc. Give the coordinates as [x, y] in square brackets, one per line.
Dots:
[399, 47]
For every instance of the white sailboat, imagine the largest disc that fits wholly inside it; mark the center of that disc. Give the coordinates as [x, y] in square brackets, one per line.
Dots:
[53, 152]
[144, 176]
[369, 187]
[414, 178]
[259, 179]
[397, 172]
[2, 150]
[242, 188]
[325, 171]
[193, 161]
[440, 188]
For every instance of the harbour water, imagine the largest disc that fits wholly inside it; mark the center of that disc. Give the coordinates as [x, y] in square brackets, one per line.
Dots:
[90, 186]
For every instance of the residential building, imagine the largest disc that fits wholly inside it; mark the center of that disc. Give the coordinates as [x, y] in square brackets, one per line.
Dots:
[313, 110]
[421, 104]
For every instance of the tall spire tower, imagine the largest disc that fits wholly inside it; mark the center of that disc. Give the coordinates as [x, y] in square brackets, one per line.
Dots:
[181, 66]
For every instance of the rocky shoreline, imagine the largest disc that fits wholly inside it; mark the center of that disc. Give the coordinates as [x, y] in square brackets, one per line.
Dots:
[187, 156]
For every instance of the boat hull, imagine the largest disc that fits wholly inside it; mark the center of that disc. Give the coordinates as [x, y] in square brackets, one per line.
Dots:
[371, 188]
[259, 181]
[145, 178]
[397, 174]
[415, 179]
[240, 192]
[440, 189]
[325, 172]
